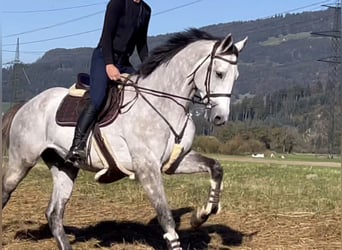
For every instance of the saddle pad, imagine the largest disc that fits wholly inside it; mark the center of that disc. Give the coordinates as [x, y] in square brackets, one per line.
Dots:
[71, 107]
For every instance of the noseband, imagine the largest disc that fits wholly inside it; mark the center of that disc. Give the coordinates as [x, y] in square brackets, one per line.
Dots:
[212, 56]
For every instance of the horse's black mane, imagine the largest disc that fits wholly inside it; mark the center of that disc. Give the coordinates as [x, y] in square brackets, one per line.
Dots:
[165, 52]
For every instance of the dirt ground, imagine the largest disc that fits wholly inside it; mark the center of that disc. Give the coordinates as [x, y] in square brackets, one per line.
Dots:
[115, 227]
[94, 224]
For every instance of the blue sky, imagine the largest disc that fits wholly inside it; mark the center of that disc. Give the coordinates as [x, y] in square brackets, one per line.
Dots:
[42, 25]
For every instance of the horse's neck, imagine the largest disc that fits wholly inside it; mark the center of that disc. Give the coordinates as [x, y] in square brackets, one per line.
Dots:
[172, 80]
[174, 77]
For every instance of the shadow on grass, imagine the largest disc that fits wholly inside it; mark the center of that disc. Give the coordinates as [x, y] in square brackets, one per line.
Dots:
[109, 233]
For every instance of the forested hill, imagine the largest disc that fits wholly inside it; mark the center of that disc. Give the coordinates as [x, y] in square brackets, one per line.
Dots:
[280, 53]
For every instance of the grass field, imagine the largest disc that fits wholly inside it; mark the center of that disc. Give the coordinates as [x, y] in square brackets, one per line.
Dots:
[292, 157]
[272, 41]
[264, 206]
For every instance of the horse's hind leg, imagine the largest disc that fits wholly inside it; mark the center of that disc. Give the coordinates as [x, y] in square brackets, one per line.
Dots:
[194, 162]
[13, 174]
[63, 182]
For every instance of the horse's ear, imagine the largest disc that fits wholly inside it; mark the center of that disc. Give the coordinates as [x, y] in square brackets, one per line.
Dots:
[240, 45]
[226, 44]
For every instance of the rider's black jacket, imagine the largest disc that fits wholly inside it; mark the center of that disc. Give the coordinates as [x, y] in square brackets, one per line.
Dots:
[125, 27]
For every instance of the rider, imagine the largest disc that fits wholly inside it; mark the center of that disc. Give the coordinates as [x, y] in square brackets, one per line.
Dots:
[124, 29]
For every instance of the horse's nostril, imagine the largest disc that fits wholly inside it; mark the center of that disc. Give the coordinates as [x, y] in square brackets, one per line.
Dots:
[218, 121]
[217, 118]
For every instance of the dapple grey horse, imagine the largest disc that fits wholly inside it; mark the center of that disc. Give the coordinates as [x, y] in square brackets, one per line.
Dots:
[154, 119]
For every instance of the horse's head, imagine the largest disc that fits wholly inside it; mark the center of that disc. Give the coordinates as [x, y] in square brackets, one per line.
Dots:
[215, 75]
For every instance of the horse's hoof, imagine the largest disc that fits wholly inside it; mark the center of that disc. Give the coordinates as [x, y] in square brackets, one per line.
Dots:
[198, 218]
[172, 242]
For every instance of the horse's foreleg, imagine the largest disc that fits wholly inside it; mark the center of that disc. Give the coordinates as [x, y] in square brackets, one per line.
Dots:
[63, 181]
[194, 162]
[151, 181]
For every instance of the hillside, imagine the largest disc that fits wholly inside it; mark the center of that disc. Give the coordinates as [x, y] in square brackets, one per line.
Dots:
[281, 53]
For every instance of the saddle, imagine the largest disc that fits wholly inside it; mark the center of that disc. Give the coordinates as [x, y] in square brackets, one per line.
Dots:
[71, 107]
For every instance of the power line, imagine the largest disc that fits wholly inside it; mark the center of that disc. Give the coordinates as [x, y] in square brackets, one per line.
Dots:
[87, 16]
[252, 30]
[94, 30]
[56, 38]
[54, 25]
[176, 8]
[307, 6]
[155, 14]
[88, 5]
[49, 10]
[24, 52]
[248, 32]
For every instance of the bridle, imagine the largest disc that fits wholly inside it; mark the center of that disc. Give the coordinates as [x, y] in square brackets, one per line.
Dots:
[203, 100]
[206, 98]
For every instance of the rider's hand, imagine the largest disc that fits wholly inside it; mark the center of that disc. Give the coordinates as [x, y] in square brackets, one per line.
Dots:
[113, 72]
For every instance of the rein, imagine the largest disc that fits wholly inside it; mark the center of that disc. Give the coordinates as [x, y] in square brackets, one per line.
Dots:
[156, 92]
[142, 90]
[178, 136]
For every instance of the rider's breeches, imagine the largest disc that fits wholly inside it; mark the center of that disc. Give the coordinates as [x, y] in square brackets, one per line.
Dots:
[99, 79]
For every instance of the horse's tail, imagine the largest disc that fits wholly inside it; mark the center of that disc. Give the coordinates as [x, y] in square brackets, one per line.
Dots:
[6, 124]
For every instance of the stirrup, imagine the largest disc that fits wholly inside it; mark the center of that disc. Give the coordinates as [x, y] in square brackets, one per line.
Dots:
[76, 157]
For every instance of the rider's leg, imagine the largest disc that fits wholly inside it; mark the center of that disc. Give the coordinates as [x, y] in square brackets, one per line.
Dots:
[84, 125]
[88, 117]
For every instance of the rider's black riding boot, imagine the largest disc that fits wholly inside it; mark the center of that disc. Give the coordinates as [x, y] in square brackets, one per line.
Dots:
[85, 123]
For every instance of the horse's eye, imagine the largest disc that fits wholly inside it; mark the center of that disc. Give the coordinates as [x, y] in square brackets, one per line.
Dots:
[219, 74]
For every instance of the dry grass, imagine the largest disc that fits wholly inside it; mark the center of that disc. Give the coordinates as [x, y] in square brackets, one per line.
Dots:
[264, 207]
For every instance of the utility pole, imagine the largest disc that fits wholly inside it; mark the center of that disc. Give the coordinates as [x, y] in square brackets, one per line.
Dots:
[340, 98]
[15, 80]
[17, 66]
[1, 159]
[341, 101]
[334, 80]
